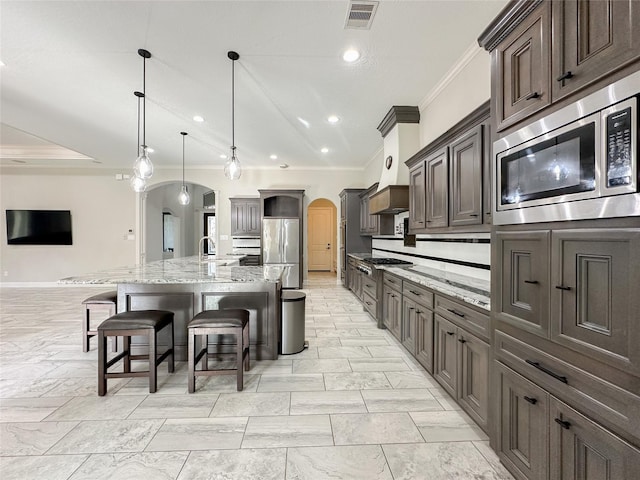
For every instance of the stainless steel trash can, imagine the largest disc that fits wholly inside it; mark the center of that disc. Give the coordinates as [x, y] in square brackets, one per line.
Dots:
[292, 330]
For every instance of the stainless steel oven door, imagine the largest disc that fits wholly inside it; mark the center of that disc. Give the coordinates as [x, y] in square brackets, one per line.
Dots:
[557, 167]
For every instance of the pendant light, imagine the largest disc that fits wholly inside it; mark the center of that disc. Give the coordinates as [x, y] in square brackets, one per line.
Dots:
[183, 196]
[142, 167]
[138, 184]
[232, 168]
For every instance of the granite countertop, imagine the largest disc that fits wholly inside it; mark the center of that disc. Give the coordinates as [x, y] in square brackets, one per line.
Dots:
[468, 289]
[222, 269]
[360, 256]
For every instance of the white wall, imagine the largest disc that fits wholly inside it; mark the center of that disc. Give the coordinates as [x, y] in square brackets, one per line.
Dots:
[103, 210]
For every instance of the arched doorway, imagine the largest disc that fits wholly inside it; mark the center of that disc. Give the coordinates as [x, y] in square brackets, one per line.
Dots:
[322, 236]
[171, 230]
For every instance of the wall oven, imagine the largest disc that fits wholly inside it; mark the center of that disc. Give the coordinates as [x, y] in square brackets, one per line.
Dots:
[579, 162]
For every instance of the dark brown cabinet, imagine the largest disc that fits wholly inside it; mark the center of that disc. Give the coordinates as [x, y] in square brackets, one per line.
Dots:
[417, 197]
[245, 216]
[437, 189]
[373, 224]
[523, 286]
[350, 239]
[445, 360]
[591, 39]
[522, 420]
[466, 185]
[521, 69]
[409, 329]
[424, 337]
[392, 305]
[594, 294]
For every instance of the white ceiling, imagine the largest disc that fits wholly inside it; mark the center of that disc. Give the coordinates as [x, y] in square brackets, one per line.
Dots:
[71, 68]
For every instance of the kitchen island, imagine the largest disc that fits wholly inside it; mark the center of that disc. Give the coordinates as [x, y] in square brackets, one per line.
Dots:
[187, 286]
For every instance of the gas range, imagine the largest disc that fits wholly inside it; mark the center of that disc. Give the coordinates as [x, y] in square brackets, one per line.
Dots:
[367, 265]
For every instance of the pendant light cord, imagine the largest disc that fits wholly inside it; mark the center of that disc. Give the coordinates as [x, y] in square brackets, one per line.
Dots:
[144, 100]
[183, 135]
[138, 140]
[233, 108]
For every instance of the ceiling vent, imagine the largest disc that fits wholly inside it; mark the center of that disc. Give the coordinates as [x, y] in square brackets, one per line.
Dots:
[360, 15]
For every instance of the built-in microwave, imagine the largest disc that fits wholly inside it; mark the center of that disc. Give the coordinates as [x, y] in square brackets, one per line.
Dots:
[579, 162]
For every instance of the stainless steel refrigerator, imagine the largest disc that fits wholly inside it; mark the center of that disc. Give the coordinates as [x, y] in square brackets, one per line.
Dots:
[281, 245]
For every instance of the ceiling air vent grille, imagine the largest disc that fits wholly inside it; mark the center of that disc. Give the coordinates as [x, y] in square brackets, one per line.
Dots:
[360, 15]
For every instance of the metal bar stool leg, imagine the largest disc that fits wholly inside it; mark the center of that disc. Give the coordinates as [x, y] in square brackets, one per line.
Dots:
[192, 352]
[102, 364]
[153, 370]
[240, 361]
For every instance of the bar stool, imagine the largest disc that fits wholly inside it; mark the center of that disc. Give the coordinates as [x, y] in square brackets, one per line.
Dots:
[218, 322]
[99, 301]
[126, 324]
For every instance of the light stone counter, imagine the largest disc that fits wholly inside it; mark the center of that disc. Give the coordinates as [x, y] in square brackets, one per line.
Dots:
[468, 289]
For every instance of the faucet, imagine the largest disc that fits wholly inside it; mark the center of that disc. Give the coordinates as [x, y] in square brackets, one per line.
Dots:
[201, 245]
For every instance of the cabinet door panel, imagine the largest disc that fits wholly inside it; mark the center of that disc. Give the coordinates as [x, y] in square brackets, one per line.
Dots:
[523, 412]
[253, 218]
[408, 320]
[417, 198]
[465, 189]
[594, 37]
[437, 167]
[424, 337]
[523, 287]
[522, 69]
[445, 362]
[596, 293]
[473, 371]
[582, 450]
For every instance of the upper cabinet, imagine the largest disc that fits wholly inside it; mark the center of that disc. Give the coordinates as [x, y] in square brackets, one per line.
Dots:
[245, 216]
[373, 224]
[450, 179]
[543, 52]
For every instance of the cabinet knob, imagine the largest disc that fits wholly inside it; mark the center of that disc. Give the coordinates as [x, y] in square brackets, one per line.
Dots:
[461, 340]
[532, 401]
[451, 333]
[531, 96]
[565, 76]
[562, 423]
[411, 308]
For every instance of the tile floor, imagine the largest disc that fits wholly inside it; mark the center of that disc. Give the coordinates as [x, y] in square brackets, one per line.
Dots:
[353, 406]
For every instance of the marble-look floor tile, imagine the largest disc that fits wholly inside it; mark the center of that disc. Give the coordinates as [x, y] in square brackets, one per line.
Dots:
[86, 387]
[175, 406]
[290, 431]
[262, 464]
[387, 351]
[371, 332]
[244, 404]
[324, 342]
[330, 365]
[374, 428]
[50, 467]
[411, 380]
[291, 383]
[409, 400]
[29, 409]
[364, 341]
[110, 436]
[490, 456]
[33, 438]
[26, 388]
[332, 332]
[199, 434]
[310, 352]
[378, 364]
[271, 367]
[447, 426]
[308, 403]
[96, 408]
[73, 369]
[226, 384]
[356, 381]
[27, 370]
[337, 463]
[151, 465]
[438, 461]
[443, 397]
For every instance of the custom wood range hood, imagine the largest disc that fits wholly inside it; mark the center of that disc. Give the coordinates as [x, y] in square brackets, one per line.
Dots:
[400, 131]
[392, 199]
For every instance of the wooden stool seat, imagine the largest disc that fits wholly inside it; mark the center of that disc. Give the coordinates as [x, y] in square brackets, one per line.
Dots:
[96, 302]
[218, 322]
[127, 324]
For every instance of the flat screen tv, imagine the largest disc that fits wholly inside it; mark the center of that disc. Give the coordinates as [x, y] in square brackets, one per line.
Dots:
[38, 227]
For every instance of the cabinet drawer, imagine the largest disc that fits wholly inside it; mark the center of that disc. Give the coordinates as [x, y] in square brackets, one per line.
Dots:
[465, 317]
[608, 403]
[418, 294]
[370, 304]
[369, 286]
[392, 281]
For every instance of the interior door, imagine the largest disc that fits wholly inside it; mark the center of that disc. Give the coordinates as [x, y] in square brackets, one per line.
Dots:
[320, 242]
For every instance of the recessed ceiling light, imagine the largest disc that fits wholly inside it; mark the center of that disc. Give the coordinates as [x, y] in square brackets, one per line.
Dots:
[273, 157]
[333, 119]
[304, 122]
[198, 118]
[284, 165]
[351, 55]
[150, 150]
[223, 156]
[324, 150]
